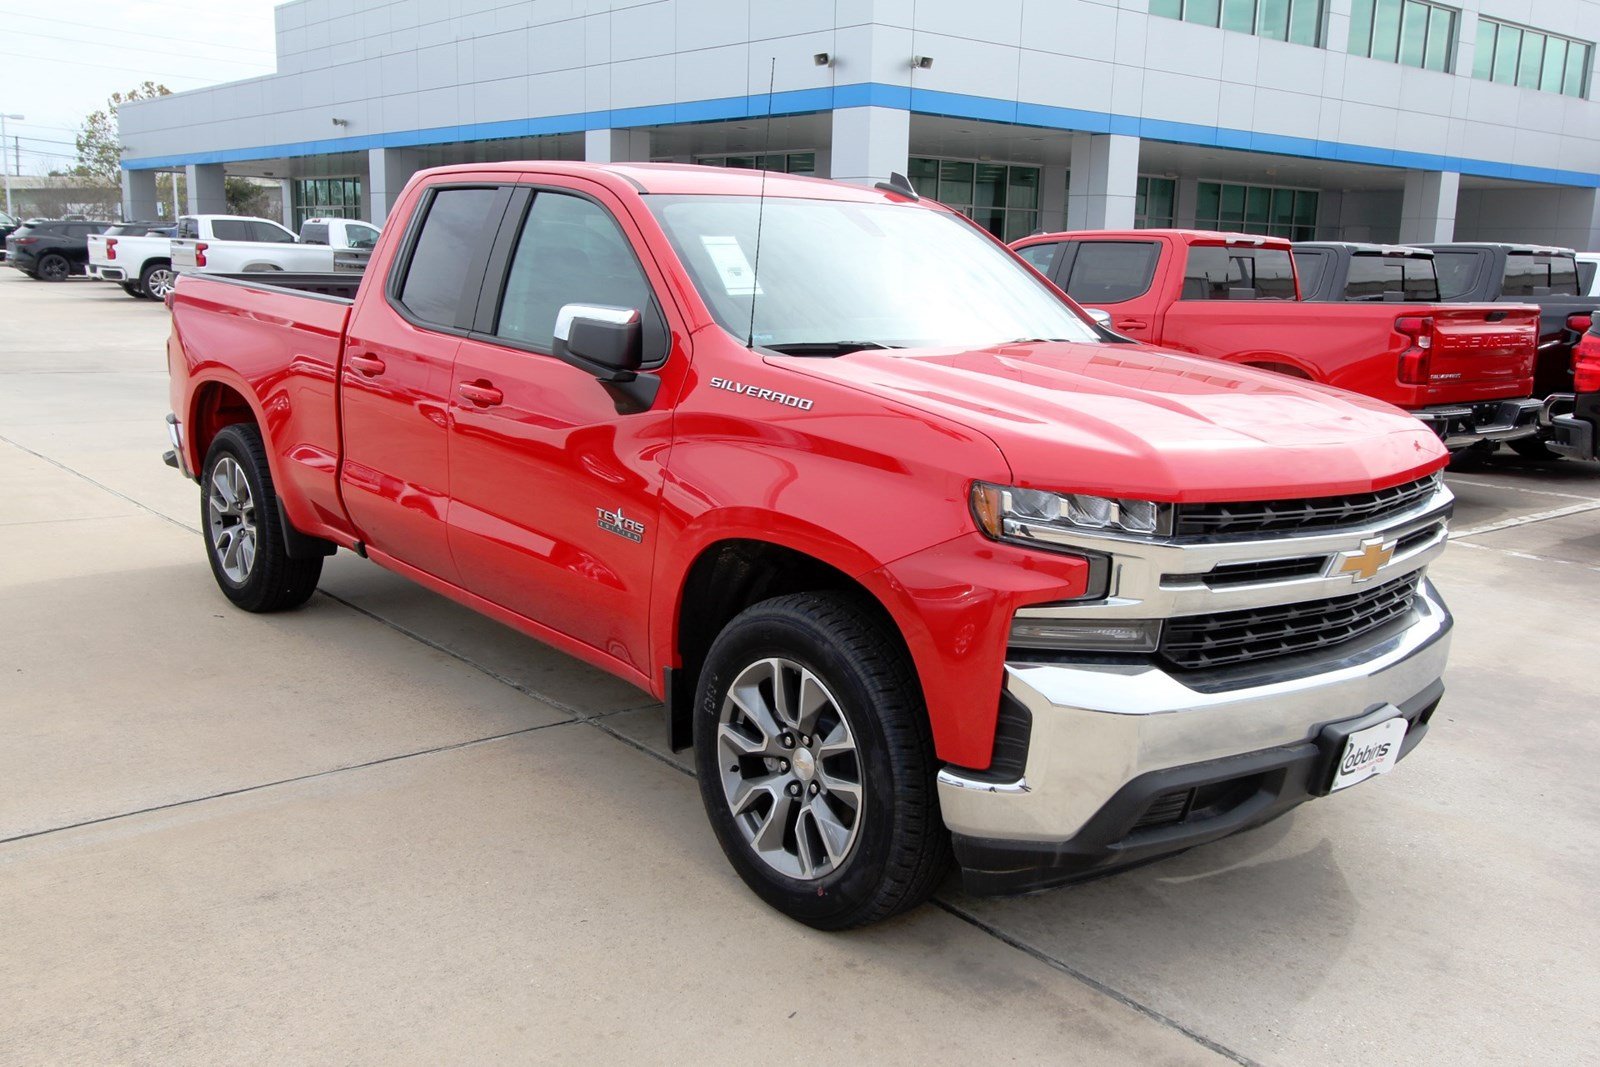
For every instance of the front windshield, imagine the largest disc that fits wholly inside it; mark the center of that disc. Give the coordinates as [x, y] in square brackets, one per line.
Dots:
[858, 275]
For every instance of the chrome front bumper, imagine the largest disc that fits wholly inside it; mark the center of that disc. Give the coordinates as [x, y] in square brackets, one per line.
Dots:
[1097, 728]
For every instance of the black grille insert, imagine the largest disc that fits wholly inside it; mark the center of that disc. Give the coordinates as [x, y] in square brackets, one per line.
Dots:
[1199, 642]
[1273, 570]
[1298, 516]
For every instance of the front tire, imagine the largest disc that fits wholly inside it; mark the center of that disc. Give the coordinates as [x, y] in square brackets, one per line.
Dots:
[816, 762]
[133, 290]
[243, 527]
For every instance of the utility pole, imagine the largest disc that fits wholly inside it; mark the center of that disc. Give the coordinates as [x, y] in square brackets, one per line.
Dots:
[4, 165]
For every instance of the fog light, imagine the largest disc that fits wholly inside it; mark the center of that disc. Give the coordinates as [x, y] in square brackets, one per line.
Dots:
[1086, 635]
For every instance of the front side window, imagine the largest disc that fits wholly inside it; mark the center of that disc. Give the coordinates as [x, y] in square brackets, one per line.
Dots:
[1297, 21]
[267, 233]
[1214, 272]
[1377, 277]
[570, 252]
[454, 231]
[856, 275]
[1110, 272]
[1540, 274]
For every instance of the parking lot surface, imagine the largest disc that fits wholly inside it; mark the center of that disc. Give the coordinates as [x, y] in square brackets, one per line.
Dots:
[382, 828]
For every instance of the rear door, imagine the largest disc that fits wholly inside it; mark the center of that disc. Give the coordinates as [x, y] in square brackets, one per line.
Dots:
[1119, 276]
[400, 351]
[555, 492]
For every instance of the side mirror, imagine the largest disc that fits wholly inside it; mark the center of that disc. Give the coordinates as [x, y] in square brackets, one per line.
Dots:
[608, 342]
[1101, 317]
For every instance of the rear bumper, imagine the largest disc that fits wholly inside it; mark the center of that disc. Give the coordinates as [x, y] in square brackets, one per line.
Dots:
[1125, 763]
[1575, 431]
[107, 274]
[1464, 425]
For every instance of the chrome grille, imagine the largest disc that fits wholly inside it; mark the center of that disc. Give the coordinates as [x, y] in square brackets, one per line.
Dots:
[1291, 517]
[1199, 642]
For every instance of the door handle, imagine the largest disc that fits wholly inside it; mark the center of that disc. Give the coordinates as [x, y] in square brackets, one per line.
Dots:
[1132, 324]
[480, 392]
[370, 366]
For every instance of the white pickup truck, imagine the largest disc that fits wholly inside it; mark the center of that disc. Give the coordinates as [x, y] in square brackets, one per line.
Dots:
[340, 233]
[135, 255]
[236, 244]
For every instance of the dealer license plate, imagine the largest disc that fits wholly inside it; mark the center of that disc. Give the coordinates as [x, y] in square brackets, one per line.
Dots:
[1374, 750]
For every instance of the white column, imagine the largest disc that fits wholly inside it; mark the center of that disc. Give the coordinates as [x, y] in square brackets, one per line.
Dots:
[1105, 181]
[1053, 197]
[207, 194]
[616, 146]
[869, 143]
[139, 197]
[287, 197]
[1428, 212]
[388, 170]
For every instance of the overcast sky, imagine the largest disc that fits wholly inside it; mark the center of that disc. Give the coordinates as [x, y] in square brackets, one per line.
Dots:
[59, 61]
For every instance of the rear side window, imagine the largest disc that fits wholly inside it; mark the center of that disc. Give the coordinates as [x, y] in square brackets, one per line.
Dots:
[1312, 266]
[188, 228]
[570, 252]
[1540, 275]
[1214, 272]
[314, 233]
[1109, 272]
[1457, 272]
[230, 230]
[455, 230]
[1379, 277]
[1042, 256]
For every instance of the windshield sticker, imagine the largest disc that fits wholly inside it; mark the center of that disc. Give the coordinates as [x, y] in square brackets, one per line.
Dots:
[738, 278]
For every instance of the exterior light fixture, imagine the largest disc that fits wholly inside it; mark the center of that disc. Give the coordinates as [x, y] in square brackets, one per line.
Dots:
[922, 62]
[822, 59]
[341, 122]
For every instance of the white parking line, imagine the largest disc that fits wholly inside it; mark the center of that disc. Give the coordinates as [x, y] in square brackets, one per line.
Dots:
[1534, 557]
[1453, 480]
[1525, 520]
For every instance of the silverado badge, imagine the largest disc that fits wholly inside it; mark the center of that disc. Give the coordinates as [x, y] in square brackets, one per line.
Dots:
[1365, 562]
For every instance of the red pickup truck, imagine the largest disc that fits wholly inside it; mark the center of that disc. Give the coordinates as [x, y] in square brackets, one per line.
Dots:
[1464, 369]
[915, 554]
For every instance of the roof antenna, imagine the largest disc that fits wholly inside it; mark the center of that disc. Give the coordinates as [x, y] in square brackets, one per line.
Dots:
[761, 209]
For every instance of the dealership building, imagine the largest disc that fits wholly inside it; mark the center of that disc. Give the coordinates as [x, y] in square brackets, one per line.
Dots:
[1378, 120]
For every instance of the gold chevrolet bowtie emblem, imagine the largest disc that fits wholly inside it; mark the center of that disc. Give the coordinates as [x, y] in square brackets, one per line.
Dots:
[1365, 562]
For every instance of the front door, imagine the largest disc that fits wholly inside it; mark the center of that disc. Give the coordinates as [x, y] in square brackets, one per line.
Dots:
[554, 493]
[400, 351]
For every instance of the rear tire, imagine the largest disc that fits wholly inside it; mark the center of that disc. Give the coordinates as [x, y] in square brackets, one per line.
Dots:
[53, 268]
[243, 527]
[157, 279]
[1533, 448]
[778, 772]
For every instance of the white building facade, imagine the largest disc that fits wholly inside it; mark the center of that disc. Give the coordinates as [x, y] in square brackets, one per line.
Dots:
[1384, 120]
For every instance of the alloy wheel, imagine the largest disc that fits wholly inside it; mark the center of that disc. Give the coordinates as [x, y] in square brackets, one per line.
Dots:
[231, 515]
[159, 282]
[790, 768]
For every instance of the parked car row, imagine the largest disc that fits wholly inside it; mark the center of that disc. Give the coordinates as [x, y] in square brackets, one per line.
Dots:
[146, 257]
[1476, 340]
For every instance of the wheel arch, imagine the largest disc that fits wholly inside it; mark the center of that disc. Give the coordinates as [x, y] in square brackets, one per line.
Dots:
[728, 575]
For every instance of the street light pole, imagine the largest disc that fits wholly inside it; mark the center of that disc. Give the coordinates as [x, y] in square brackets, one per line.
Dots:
[5, 165]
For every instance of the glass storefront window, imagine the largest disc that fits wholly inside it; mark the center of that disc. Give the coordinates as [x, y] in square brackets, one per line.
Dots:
[801, 163]
[327, 198]
[1153, 206]
[1003, 198]
[1290, 213]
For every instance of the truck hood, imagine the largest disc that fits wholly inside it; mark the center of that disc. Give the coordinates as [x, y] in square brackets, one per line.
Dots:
[1134, 421]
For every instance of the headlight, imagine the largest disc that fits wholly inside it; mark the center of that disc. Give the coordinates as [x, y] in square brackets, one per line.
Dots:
[1010, 514]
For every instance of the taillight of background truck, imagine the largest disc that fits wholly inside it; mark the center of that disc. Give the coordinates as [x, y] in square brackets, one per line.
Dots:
[1579, 324]
[111, 248]
[1586, 364]
[1415, 359]
[200, 254]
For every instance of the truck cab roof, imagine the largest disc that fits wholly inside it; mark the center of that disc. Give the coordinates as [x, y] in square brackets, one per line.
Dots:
[1511, 248]
[1366, 248]
[1187, 237]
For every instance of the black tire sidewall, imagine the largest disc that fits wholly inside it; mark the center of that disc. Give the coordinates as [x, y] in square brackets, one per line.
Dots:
[835, 900]
[66, 271]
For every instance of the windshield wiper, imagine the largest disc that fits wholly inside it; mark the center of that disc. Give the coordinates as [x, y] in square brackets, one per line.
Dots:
[825, 348]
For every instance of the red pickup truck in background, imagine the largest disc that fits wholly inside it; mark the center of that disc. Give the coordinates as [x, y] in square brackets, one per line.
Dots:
[1464, 369]
[915, 554]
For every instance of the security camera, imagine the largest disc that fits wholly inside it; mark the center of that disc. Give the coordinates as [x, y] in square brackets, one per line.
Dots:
[341, 122]
[822, 59]
[922, 62]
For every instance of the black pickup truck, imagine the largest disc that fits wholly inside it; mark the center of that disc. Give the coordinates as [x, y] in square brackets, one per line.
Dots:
[1350, 270]
[1548, 277]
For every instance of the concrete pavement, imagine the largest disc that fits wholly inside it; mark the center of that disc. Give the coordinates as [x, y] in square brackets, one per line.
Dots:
[382, 828]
